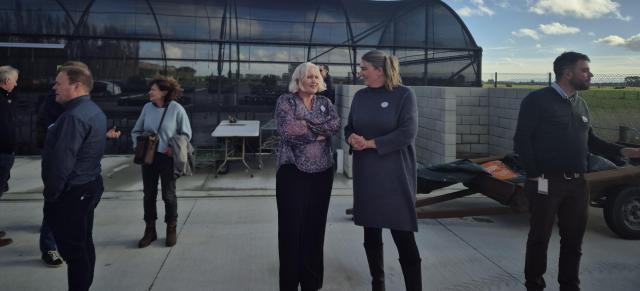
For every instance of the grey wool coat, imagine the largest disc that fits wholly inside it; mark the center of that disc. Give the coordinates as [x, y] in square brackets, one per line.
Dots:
[385, 178]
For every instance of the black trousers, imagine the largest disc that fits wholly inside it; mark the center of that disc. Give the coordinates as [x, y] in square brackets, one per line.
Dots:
[405, 242]
[303, 202]
[569, 201]
[161, 168]
[71, 221]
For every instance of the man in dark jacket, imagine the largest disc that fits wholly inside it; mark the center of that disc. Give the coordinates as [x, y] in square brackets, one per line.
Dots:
[328, 80]
[8, 81]
[553, 138]
[71, 157]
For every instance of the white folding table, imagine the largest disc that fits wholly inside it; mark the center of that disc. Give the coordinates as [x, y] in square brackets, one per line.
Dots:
[240, 129]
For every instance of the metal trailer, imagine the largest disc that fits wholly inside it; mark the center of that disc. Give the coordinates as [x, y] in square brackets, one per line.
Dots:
[616, 191]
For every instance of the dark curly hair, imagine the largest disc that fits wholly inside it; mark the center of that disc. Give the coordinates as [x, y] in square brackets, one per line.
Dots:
[168, 84]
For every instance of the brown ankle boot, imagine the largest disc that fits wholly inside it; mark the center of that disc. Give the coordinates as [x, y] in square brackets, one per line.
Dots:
[149, 235]
[172, 237]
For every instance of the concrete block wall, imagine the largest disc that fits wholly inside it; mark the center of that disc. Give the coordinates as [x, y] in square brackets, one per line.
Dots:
[504, 105]
[344, 95]
[452, 122]
[486, 119]
[436, 140]
[472, 121]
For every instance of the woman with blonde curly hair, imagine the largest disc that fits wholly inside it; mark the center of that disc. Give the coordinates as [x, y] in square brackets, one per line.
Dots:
[305, 121]
[166, 118]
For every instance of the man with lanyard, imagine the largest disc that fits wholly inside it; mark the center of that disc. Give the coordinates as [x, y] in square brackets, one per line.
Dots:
[553, 138]
[71, 157]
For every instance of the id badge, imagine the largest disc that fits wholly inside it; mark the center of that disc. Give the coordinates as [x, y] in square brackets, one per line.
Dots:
[543, 186]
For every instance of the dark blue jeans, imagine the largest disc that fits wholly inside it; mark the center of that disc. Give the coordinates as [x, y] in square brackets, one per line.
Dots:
[6, 162]
[303, 202]
[162, 168]
[568, 201]
[71, 220]
[47, 241]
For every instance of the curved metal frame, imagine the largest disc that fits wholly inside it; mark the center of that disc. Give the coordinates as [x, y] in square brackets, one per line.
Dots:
[163, 49]
[351, 43]
[66, 12]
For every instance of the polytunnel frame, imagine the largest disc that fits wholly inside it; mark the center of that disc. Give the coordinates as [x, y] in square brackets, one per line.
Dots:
[352, 43]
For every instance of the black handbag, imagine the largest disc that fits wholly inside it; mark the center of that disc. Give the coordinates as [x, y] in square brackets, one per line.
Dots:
[146, 144]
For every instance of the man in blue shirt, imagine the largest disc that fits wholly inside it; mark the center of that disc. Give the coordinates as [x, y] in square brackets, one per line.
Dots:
[71, 168]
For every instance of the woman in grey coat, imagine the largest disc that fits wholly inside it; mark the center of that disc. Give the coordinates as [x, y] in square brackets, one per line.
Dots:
[381, 131]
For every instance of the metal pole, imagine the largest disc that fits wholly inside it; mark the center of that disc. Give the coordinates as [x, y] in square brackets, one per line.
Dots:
[495, 80]
[549, 79]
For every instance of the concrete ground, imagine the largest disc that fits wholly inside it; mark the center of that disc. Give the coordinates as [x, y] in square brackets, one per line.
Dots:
[228, 240]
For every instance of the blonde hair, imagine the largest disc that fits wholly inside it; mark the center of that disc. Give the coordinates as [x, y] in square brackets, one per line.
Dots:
[301, 72]
[389, 65]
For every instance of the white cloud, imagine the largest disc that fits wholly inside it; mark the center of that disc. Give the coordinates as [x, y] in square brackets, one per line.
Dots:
[526, 32]
[538, 45]
[632, 43]
[559, 50]
[172, 51]
[465, 11]
[502, 3]
[611, 40]
[479, 9]
[591, 33]
[579, 8]
[557, 28]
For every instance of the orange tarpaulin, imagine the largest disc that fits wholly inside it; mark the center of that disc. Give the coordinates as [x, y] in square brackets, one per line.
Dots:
[499, 170]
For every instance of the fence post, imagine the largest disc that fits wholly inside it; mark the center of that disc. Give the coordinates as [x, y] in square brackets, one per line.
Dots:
[623, 133]
[549, 79]
[495, 80]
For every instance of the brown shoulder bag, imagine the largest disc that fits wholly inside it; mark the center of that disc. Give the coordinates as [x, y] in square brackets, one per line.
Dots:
[147, 143]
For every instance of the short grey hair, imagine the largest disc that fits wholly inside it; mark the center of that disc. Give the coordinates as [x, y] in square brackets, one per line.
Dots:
[301, 72]
[7, 72]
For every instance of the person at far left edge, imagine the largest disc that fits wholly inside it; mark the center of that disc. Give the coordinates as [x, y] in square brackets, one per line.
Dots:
[71, 169]
[8, 125]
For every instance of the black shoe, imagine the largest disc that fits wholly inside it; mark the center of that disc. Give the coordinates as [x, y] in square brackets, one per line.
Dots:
[52, 259]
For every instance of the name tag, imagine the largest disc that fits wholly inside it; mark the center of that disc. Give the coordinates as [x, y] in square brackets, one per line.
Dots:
[543, 186]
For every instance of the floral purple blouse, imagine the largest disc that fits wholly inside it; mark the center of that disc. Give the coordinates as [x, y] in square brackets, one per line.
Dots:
[299, 129]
